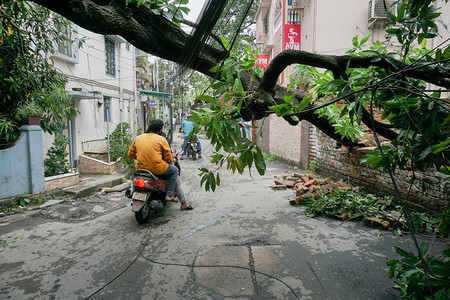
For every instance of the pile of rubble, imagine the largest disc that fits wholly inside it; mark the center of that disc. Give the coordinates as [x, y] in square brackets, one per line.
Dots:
[307, 185]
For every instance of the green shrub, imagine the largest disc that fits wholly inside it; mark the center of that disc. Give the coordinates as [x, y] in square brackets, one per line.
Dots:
[119, 142]
[56, 161]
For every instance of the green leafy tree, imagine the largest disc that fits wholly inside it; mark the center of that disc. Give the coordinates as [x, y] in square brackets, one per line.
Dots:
[29, 83]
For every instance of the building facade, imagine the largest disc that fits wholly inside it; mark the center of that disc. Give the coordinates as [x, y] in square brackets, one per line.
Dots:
[102, 84]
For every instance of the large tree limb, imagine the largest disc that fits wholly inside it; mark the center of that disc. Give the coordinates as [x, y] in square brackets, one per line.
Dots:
[336, 64]
[151, 33]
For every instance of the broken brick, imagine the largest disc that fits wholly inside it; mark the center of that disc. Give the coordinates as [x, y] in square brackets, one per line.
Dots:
[293, 201]
[308, 195]
[298, 185]
[376, 223]
[278, 187]
[341, 217]
[279, 181]
[310, 182]
[301, 190]
[289, 183]
[386, 203]
[304, 178]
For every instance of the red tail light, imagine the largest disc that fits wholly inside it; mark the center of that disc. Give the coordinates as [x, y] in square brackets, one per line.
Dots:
[139, 182]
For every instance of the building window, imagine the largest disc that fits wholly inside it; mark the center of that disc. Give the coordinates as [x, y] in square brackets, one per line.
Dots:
[265, 25]
[127, 46]
[65, 45]
[110, 52]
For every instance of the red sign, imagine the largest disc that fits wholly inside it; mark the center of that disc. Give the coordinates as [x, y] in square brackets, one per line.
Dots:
[263, 61]
[292, 37]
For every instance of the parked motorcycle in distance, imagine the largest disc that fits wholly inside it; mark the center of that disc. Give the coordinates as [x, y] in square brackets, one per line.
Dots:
[148, 193]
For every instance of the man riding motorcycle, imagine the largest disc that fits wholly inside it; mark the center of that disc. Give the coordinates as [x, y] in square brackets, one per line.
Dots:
[152, 152]
[188, 127]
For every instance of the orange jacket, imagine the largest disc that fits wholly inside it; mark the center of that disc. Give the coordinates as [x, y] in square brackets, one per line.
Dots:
[152, 152]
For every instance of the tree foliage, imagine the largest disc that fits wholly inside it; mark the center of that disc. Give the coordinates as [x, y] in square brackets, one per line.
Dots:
[30, 85]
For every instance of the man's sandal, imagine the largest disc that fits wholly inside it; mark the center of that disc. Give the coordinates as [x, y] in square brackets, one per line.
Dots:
[187, 207]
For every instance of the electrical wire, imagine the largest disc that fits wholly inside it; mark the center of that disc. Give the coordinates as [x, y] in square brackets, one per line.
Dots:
[144, 245]
[222, 266]
[231, 45]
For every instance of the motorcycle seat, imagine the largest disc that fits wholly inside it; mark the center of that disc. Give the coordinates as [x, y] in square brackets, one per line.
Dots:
[149, 175]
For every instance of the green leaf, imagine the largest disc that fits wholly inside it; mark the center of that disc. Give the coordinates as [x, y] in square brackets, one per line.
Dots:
[239, 106]
[288, 98]
[304, 103]
[364, 40]
[212, 181]
[218, 179]
[260, 164]
[247, 158]
[355, 41]
[239, 165]
[445, 170]
[225, 43]
[281, 109]
[426, 152]
[441, 147]
[207, 99]
[16, 239]
[205, 176]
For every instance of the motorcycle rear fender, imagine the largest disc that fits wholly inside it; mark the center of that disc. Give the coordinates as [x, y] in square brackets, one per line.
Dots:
[137, 205]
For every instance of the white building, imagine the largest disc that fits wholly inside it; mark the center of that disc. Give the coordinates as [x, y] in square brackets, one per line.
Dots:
[101, 72]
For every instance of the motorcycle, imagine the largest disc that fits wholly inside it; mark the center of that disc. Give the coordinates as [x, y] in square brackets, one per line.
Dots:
[148, 193]
[191, 148]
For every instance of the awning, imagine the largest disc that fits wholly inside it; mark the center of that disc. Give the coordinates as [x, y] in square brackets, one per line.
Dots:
[165, 96]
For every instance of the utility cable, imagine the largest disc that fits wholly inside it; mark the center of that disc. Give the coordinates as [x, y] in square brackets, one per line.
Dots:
[124, 270]
[144, 245]
[231, 45]
[221, 266]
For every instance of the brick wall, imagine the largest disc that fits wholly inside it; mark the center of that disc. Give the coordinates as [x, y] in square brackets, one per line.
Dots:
[342, 163]
[91, 165]
[61, 181]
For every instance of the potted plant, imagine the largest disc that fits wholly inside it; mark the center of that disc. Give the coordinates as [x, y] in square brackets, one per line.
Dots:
[29, 114]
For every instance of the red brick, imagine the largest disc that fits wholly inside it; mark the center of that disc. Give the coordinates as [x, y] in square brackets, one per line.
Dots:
[310, 182]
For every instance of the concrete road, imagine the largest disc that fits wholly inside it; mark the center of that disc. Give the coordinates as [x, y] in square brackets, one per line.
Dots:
[242, 242]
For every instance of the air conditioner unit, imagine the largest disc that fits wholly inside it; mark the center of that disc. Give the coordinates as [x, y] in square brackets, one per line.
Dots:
[377, 9]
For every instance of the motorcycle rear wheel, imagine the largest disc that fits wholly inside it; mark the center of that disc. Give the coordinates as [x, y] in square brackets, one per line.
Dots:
[143, 214]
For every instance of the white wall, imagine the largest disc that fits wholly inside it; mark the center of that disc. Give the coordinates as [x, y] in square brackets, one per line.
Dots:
[329, 25]
[88, 72]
